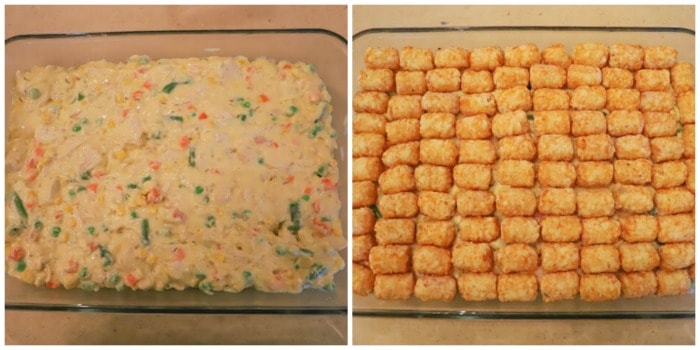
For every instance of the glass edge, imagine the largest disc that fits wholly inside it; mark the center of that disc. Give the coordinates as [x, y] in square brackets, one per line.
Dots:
[524, 315]
[389, 30]
[340, 311]
[321, 31]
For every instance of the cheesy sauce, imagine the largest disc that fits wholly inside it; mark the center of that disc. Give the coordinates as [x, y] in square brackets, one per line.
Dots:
[214, 173]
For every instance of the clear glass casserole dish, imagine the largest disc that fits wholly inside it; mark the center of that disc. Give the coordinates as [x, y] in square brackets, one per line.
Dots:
[325, 49]
[473, 37]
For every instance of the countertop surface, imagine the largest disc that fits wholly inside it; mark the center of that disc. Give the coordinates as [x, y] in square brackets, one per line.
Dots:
[388, 330]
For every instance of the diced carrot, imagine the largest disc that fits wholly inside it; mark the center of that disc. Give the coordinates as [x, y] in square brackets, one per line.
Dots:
[120, 188]
[275, 145]
[17, 254]
[92, 187]
[142, 70]
[38, 150]
[154, 196]
[190, 106]
[99, 173]
[72, 266]
[184, 141]
[125, 112]
[148, 85]
[287, 66]
[154, 164]
[180, 215]
[53, 284]
[264, 98]
[217, 171]
[58, 216]
[260, 139]
[131, 280]
[136, 95]
[179, 254]
[290, 179]
[317, 206]
[31, 163]
[30, 205]
[328, 184]
[307, 190]
[92, 246]
[203, 116]
[249, 69]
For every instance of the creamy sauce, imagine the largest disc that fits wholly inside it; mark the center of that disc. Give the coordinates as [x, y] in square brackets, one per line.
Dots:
[216, 173]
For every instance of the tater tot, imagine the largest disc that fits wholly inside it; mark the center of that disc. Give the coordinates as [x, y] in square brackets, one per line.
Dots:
[384, 259]
[473, 104]
[637, 284]
[510, 124]
[477, 286]
[478, 229]
[633, 199]
[633, 172]
[560, 228]
[361, 246]
[676, 228]
[476, 151]
[397, 179]
[432, 260]
[411, 58]
[433, 178]
[362, 280]
[435, 288]
[515, 173]
[590, 54]
[475, 203]
[440, 102]
[517, 287]
[594, 174]
[402, 131]
[369, 123]
[547, 76]
[617, 78]
[556, 174]
[398, 205]
[443, 79]
[366, 168]
[599, 287]
[515, 201]
[559, 286]
[621, 123]
[520, 230]
[626, 56]
[690, 180]
[556, 55]
[410, 83]
[557, 201]
[588, 98]
[664, 149]
[584, 123]
[639, 228]
[508, 77]
[558, 257]
[668, 174]
[688, 137]
[364, 194]
[522, 55]
[517, 257]
[657, 101]
[555, 148]
[550, 100]
[682, 77]
[632, 147]
[601, 230]
[394, 287]
[474, 82]
[452, 57]
[552, 122]
[405, 153]
[382, 57]
[520, 147]
[394, 231]
[363, 220]
[473, 257]
[652, 80]
[437, 125]
[472, 176]
[439, 152]
[674, 200]
[513, 99]
[622, 99]
[594, 202]
[486, 58]
[659, 57]
[367, 145]
[657, 124]
[436, 205]
[675, 256]
[404, 107]
[594, 147]
[636, 257]
[377, 80]
[370, 102]
[578, 75]
[477, 127]
[675, 282]
[686, 107]
[437, 233]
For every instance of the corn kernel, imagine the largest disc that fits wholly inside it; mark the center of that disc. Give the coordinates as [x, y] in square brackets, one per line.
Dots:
[163, 99]
[119, 99]
[219, 257]
[152, 209]
[110, 124]
[120, 154]
[120, 210]
[101, 198]
[69, 209]
[65, 236]
[71, 222]
[152, 259]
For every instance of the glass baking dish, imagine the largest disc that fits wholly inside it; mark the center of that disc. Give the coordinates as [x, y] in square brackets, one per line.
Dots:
[325, 49]
[473, 37]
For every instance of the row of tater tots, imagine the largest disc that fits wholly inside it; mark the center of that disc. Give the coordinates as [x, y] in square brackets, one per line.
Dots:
[503, 174]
